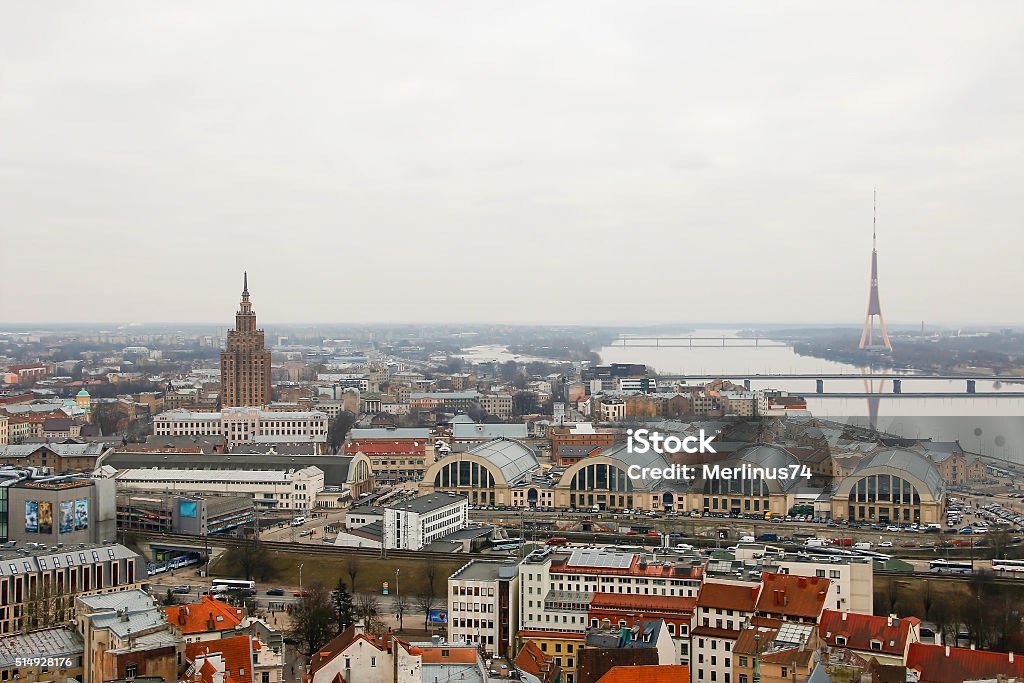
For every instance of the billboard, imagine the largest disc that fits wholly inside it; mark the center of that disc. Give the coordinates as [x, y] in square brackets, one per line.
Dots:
[82, 513]
[438, 616]
[187, 508]
[67, 517]
[46, 517]
[31, 517]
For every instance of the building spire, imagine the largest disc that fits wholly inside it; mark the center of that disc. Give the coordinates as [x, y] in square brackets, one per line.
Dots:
[245, 285]
[874, 217]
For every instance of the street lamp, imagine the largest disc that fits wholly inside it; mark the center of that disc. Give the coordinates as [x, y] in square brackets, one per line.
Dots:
[300, 578]
[396, 581]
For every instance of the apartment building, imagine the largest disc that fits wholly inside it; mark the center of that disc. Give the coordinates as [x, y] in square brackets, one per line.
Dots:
[418, 522]
[39, 584]
[483, 605]
[558, 590]
[245, 424]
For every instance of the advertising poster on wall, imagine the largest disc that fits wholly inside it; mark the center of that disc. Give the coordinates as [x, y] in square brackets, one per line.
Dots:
[82, 513]
[46, 517]
[67, 517]
[31, 517]
[187, 508]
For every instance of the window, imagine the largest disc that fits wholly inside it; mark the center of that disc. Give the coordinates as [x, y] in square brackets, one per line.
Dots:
[840, 641]
[373, 661]
[785, 672]
[876, 645]
[131, 670]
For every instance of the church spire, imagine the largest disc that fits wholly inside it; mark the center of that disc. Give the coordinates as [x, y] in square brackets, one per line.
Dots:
[245, 285]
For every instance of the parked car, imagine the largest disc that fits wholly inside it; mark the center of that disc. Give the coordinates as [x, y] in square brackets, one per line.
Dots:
[275, 591]
[183, 589]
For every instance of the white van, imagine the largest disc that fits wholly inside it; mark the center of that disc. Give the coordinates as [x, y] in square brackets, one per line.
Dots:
[814, 543]
[863, 545]
[746, 539]
[298, 521]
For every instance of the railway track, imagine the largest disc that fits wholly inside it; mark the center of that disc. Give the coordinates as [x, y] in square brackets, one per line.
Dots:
[303, 548]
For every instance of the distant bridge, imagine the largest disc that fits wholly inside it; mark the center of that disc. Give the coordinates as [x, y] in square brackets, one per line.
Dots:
[970, 383]
[662, 342]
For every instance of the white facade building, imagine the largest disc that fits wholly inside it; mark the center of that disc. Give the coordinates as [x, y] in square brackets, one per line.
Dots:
[290, 490]
[852, 580]
[483, 605]
[420, 521]
[244, 424]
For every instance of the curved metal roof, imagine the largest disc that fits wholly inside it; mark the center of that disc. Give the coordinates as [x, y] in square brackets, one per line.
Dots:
[513, 458]
[908, 461]
[620, 452]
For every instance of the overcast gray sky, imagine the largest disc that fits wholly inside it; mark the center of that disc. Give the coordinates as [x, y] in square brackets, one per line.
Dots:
[510, 161]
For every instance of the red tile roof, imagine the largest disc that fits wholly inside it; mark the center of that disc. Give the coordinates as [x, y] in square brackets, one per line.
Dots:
[941, 664]
[650, 603]
[236, 653]
[660, 673]
[390, 447]
[456, 654]
[860, 629]
[728, 596]
[533, 661]
[206, 616]
[792, 596]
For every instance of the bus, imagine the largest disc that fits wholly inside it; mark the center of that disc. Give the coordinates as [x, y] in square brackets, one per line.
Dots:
[226, 585]
[1008, 565]
[950, 567]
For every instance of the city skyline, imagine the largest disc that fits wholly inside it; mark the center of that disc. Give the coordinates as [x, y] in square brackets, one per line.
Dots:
[417, 163]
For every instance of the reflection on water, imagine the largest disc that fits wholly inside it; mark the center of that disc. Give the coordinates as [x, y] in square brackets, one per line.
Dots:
[993, 426]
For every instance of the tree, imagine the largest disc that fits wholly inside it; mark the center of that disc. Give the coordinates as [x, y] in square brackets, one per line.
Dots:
[340, 426]
[401, 607]
[253, 562]
[313, 618]
[368, 609]
[352, 569]
[344, 607]
[431, 572]
[424, 603]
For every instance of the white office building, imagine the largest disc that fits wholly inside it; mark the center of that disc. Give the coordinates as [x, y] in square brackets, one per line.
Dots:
[483, 605]
[291, 490]
[245, 424]
[418, 522]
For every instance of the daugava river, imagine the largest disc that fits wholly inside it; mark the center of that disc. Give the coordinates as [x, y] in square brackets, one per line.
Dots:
[985, 424]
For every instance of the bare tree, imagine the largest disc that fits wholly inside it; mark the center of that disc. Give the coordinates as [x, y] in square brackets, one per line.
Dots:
[401, 607]
[431, 572]
[368, 609]
[352, 569]
[313, 618]
[424, 603]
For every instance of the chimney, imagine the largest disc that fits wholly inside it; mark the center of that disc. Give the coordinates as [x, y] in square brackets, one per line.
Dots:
[890, 620]
[1011, 658]
[802, 582]
[947, 650]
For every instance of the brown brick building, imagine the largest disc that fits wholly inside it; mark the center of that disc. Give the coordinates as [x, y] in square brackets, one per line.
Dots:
[245, 363]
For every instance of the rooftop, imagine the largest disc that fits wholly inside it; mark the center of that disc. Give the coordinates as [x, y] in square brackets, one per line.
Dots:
[486, 570]
[428, 503]
[28, 560]
[52, 642]
[155, 474]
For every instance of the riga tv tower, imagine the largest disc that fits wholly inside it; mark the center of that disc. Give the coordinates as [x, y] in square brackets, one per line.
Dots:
[867, 337]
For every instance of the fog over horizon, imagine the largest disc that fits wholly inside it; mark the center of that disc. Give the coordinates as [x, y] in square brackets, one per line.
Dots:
[589, 163]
